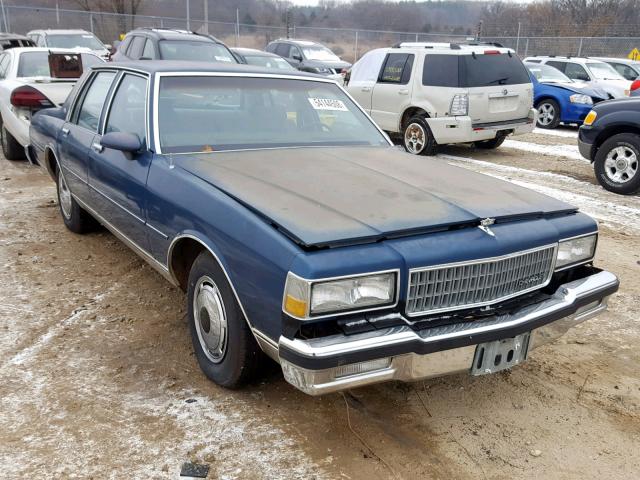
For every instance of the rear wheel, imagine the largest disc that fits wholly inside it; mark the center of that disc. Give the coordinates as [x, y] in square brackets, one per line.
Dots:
[73, 215]
[490, 144]
[616, 164]
[417, 137]
[224, 345]
[548, 114]
[11, 149]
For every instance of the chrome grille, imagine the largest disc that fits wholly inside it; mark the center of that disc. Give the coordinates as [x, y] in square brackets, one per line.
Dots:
[478, 283]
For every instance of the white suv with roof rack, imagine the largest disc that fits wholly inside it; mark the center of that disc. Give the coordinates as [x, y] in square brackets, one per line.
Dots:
[439, 93]
[595, 73]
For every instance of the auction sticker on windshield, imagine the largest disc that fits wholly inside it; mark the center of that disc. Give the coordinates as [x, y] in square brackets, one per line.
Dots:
[328, 104]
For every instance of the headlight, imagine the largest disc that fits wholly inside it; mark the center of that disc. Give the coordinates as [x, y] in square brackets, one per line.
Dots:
[578, 98]
[576, 250]
[590, 118]
[459, 104]
[308, 298]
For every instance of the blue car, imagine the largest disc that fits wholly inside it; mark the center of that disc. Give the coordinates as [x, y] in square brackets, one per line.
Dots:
[299, 231]
[558, 98]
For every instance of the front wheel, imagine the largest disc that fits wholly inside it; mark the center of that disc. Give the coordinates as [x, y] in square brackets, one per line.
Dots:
[616, 164]
[223, 343]
[548, 114]
[417, 137]
[490, 144]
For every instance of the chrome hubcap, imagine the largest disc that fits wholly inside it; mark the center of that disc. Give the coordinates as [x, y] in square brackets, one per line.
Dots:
[621, 164]
[65, 197]
[210, 319]
[546, 114]
[414, 138]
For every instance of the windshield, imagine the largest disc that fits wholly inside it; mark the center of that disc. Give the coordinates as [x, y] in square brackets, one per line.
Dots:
[208, 114]
[269, 62]
[73, 40]
[547, 74]
[36, 64]
[604, 71]
[318, 52]
[194, 50]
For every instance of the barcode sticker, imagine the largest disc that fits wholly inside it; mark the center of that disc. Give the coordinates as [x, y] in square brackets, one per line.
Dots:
[328, 104]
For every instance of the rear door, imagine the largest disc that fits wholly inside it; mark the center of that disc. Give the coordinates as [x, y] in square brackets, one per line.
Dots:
[118, 179]
[78, 132]
[500, 89]
[364, 75]
[392, 91]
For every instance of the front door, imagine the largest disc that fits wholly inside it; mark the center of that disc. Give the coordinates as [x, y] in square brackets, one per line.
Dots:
[118, 179]
[77, 135]
[392, 92]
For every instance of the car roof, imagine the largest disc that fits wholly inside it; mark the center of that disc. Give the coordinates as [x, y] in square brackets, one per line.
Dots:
[19, 50]
[172, 34]
[626, 61]
[304, 43]
[176, 66]
[254, 52]
[564, 59]
[445, 48]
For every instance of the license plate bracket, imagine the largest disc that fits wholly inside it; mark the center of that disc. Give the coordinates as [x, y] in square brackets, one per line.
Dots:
[492, 357]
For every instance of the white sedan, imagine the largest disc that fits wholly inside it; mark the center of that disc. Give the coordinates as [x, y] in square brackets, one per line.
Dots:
[32, 79]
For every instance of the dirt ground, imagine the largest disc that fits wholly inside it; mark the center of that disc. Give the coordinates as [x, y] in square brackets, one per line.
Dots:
[98, 379]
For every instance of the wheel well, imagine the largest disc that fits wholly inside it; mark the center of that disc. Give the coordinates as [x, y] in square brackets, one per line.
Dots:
[51, 163]
[409, 113]
[614, 130]
[545, 98]
[183, 254]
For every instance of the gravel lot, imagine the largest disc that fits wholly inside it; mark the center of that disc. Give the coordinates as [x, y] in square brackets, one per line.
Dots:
[98, 380]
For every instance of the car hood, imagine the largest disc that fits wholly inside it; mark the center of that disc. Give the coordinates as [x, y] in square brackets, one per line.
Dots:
[328, 64]
[579, 87]
[326, 196]
[617, 87]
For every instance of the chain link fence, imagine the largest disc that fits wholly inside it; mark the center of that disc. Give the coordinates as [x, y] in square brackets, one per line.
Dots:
[350, 44]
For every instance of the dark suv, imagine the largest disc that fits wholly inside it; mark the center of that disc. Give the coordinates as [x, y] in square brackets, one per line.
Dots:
[163, 44]
[309, 57]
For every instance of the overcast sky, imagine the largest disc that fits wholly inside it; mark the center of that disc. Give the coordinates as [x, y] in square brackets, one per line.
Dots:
[315, 2]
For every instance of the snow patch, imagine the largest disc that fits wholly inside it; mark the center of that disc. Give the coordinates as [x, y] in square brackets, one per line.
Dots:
[556, 133]
[567, 151]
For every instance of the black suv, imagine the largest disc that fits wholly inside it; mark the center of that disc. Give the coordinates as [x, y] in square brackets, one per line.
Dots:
[610, 138]
[163, 44]
[309, 57]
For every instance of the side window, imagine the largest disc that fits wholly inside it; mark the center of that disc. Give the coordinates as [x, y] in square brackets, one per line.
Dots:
[88, 113]
[4, 65]
[368, 67]
[125, 44]
[295, 53]
[283, 49]
[626, 71]
[562, 66]
[440, 71]
[397, 69]
[149, 52]
[576, 72]
[127, 113]
[137, 45]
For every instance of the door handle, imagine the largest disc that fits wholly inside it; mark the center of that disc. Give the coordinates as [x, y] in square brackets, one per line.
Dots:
[65, 131]
[366, 89]
[403, 92]
[97, 147]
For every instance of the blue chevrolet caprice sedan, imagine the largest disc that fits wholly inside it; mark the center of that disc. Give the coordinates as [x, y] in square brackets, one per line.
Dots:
[299, 231]
[558, 98]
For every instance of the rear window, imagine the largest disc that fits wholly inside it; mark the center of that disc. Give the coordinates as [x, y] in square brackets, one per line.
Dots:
[469, 71]
[37, 64]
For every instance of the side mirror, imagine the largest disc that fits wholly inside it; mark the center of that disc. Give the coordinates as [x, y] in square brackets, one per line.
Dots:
[125, 142]
[297, 57]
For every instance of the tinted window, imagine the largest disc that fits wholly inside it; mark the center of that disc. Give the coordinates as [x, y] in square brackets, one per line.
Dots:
[484, 70]
[626, 71]
[208, 114]
[135, 51]
[271, 47]
[397, 68]
[562, 66]
[283, 49]
[149, 52]
[128, 108]
[440, 71]
[533, 61]
[89, 114]
[576, 72]
[194, 50]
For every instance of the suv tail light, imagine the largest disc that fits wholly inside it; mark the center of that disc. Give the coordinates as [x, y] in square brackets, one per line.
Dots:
[492, 52]
[29, 97]
[635, 85]
[459, 105]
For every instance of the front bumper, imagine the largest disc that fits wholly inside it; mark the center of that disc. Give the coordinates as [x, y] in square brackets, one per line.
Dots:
[463, 130]
[338, 362]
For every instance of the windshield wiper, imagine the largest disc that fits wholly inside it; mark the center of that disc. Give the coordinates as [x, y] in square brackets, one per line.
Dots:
[499, 81]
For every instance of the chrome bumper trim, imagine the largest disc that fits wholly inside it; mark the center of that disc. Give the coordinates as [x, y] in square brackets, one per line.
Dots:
[411, 366]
